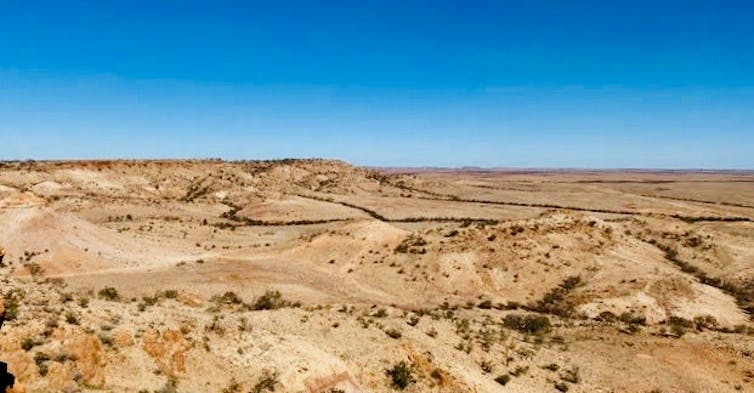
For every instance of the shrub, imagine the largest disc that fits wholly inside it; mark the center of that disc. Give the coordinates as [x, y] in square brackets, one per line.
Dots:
[554, 301]
[678, 325]
[150, 300]
[106, 339]
[71, 318]
[529, 323]
[63, 357]
[270, 300]
[401, 375]
[571, 375]
[12, 301]
[552, 367]
[34, 269]
[27, 344]
[411, 245]
[266, 382]
[109, 293]
[561, 386]
[705, 322]
[233, 387]
[519, 371]
[228, 297]
[41, 359]
[485, 305]
[503, 379]
[607, 316]
[394, 333]
[633, 319]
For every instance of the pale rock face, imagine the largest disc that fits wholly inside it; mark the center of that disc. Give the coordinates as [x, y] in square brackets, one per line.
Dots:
[221, 195]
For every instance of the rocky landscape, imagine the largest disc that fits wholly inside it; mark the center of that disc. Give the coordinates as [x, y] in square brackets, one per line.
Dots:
[316, 276]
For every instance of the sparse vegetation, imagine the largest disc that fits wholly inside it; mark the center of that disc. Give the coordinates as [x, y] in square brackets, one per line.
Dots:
[554, 302]
[412, 245]
[518, 300]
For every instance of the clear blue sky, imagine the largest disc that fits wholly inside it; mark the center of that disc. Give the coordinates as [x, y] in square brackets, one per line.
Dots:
[526, 83]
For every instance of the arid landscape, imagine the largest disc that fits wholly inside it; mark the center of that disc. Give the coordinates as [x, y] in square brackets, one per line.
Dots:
[317, 276]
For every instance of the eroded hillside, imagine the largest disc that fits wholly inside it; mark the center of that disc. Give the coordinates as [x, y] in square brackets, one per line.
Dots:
[316, 276]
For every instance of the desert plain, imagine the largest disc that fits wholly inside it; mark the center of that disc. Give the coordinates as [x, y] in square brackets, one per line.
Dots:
[317, 276]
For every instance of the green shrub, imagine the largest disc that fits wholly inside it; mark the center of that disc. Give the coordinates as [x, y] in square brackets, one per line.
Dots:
[270, 300]
[41, 359]
[555, 302]
[12, 301]
[401, 375]
[27, 344]
[679, 326]
[529, 323]
[150, 300]
[109, 293]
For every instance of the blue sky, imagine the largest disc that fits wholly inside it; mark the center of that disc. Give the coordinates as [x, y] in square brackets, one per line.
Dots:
[518, 83]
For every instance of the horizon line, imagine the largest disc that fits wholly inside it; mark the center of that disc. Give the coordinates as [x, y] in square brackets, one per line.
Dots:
[396, 168]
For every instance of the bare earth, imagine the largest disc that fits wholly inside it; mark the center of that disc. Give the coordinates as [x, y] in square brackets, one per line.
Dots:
[315, 276]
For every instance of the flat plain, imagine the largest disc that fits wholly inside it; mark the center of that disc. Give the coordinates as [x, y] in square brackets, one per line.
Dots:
[317, 276]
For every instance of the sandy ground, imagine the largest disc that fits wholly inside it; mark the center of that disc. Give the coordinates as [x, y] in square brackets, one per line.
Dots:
[316, 276]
